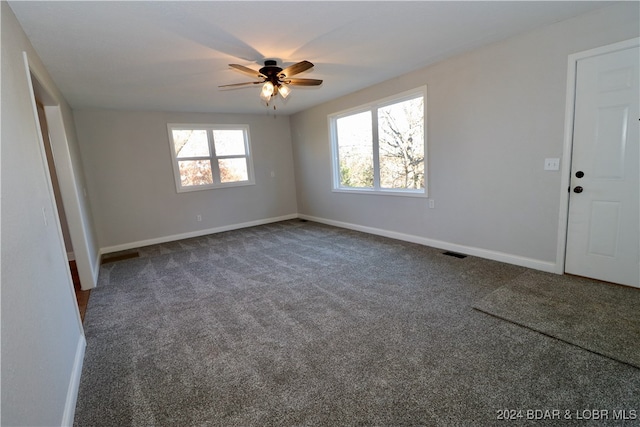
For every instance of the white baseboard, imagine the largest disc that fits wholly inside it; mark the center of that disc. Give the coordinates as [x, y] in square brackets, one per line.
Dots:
[535, 264]
[74, 383]
[198, 233]
[468, 250]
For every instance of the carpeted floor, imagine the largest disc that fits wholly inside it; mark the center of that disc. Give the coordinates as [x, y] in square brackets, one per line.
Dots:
[297, 323]
[596, 316]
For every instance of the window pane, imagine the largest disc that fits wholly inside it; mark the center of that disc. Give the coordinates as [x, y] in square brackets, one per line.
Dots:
[195, 172]
[190, 143]
[233, 170]
[401, 144]
[355, 150]
[229, 142]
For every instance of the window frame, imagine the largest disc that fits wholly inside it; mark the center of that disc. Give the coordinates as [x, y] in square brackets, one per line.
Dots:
[212, 158]
[373, 108]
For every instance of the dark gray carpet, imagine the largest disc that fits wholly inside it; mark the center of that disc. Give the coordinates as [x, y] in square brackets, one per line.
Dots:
[297, 323]
[596, 316]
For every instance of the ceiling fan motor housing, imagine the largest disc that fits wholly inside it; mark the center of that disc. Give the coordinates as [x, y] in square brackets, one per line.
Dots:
[271, 70]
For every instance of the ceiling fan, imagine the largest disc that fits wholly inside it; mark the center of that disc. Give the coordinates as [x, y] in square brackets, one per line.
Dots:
[276, 80]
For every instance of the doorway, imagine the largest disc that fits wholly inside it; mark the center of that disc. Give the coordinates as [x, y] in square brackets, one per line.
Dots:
[49, 124]
[44, 129]
[603, 222]
[82, 297]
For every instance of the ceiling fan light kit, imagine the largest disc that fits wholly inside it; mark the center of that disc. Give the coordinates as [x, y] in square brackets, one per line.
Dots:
[276, 80]
[267, 91]
[284, 91]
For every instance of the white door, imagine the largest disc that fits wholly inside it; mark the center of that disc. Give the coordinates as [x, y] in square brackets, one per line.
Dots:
[604, 223]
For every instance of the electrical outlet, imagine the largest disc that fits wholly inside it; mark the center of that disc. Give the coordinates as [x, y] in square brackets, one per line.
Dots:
[198, 218]
[552, 164]
[432, 203]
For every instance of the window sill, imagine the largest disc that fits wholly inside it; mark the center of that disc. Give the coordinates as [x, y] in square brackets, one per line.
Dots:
[215, 186]
[405, 193]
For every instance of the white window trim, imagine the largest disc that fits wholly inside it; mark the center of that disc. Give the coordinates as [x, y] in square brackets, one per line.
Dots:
[372, 107]
[213, 157]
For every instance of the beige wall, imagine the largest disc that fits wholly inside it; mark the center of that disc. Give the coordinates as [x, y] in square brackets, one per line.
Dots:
[132, 188]
[493, 116]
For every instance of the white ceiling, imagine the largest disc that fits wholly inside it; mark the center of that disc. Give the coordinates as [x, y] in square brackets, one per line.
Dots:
[172, 56]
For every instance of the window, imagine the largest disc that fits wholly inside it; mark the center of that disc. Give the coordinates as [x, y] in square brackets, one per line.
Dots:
[210, 156]
[381, 147]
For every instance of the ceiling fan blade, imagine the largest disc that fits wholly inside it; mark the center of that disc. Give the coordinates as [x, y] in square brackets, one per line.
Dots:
[246, 70]
[241, 84]
[294, 69]
[303, 82]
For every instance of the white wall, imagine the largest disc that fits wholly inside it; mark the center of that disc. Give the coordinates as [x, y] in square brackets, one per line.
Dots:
[493, 116]
[42, 338]
[132, 189]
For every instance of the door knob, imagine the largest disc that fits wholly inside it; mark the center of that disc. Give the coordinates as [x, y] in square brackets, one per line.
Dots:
[578, 189]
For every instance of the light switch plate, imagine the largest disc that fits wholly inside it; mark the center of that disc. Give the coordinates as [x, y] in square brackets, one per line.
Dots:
[552, 164]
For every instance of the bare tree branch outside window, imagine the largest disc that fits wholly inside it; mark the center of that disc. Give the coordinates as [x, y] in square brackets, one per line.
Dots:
[209, 156]
[399, 144]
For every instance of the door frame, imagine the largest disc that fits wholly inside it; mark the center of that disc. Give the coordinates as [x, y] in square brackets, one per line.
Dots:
[79, 229]
[567, 149]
